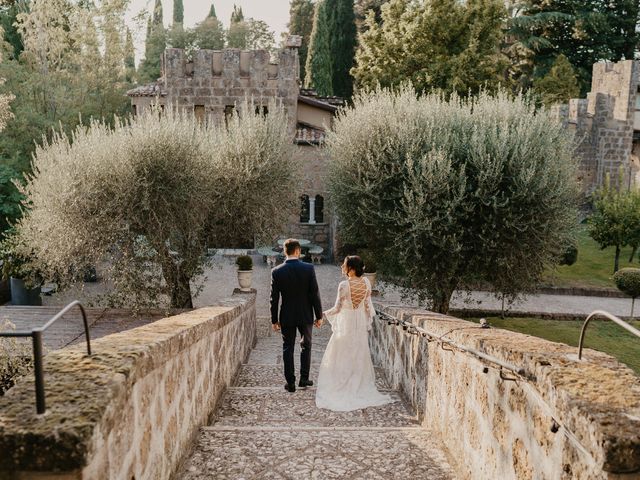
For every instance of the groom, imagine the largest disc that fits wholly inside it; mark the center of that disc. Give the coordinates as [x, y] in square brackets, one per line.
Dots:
[296, 282]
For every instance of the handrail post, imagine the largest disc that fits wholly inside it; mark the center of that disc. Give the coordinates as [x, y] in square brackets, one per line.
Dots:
[611, 317]
[38, 371]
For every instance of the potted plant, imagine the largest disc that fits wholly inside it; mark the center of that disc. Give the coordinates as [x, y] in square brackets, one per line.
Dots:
[24, 280]
[245, 272]
[370, 268]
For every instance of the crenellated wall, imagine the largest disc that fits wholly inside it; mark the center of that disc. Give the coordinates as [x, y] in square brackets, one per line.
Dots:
[604, 122]
[131, 410]
[499, 426]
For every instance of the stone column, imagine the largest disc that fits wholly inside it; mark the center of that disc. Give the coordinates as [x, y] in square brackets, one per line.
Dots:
[312, 210]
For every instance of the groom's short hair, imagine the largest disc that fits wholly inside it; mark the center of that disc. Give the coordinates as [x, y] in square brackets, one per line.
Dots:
[291, 245]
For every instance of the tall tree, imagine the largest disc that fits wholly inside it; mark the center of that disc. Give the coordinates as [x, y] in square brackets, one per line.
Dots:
[209, 34]
[454, 46]
[155, 45]
[301, 23]
[237, 16]
[212, 12]
[178, 12]
[129, 57]
[319, 67]
[343, 44]
[238, 30]
[584, 31]
[362, 9]
[559, 85]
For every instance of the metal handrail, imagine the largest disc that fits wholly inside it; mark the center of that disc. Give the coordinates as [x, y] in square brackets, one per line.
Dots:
[36, 337]
[611, 317]
[444, 341]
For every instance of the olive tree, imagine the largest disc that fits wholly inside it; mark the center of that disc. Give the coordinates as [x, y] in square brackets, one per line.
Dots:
[144, 199]
[449, 193]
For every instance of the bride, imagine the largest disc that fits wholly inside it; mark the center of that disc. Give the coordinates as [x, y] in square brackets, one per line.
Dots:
[346, 380]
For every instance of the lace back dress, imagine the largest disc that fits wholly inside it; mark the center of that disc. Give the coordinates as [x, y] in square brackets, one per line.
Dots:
[346, 380]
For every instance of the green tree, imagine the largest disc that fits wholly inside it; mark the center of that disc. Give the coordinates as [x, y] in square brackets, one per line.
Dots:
[178, 12]
[454, 47]
[319, 73]
[559, 85]
[210, 34]
[229, 186]
[212, 11]
[129, 58]
[443, 195]
[362, 9]
[155, 45]
[9, 11]
[301, 23]
[583, 31]
[343, 44]
[616, 218]
[238, 30]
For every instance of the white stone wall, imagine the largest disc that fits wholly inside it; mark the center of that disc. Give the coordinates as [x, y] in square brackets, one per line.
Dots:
[496, 428]
[132, 410]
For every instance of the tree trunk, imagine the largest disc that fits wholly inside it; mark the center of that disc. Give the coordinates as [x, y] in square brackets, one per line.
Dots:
[616, 264]
[502, 311]
[181, 292]
[633, 300]
[633, 253]
[442, 300]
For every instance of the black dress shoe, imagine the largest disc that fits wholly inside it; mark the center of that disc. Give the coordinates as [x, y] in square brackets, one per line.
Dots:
[290, 387]
[305, 383]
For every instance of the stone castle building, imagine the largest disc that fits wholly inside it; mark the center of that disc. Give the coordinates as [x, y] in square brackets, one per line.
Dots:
[214, 83]
[607, 124]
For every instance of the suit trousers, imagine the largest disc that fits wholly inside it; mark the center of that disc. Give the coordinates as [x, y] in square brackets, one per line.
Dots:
[288, 346]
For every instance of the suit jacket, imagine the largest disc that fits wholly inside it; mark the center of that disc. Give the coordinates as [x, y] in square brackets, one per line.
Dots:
[296, 283]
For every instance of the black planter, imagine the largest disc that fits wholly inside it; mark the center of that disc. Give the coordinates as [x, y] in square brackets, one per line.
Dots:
[21, 295]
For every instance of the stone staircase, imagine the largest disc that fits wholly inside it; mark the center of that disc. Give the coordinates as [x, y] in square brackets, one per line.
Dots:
[261, 431]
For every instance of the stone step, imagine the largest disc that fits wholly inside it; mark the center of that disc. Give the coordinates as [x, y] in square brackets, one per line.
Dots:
[269, 375]
[307, 453]
[272, 407]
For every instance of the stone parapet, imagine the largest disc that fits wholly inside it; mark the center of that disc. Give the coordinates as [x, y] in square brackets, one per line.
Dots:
[131, 409]
[568, 419]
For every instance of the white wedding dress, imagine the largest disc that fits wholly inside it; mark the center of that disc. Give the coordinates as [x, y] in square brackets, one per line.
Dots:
[346, 380]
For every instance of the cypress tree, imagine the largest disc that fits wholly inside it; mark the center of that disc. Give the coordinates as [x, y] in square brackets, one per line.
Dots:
[154, 46]
[129, 57]
[237, 16]
[301, 23]
[212, 12]
[178, 12]
[319, 61]
[560, 84]
[343, 45]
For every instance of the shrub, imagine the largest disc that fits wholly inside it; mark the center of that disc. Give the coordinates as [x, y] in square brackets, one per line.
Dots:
[570, 255]
[478, 190]
[147, 197]
[628, 281]
[244, 263]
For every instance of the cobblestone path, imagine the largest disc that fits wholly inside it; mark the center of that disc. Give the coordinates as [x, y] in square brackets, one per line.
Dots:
[261, 431]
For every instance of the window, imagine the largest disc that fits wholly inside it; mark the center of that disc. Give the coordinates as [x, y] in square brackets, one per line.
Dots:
[134, 110]
[319, 209]
[304, 208]
[198, 111]
[228, 113]
[262, 109]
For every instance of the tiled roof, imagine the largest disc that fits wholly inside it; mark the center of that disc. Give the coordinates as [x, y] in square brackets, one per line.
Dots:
[332, 100]
[150, 90]
[308, 134]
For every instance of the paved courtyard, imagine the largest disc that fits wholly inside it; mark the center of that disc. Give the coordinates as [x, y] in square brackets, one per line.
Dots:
[261, 431]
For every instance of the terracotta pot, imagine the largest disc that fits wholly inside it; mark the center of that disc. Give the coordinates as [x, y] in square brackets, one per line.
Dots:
[244, 280]
[372, 279]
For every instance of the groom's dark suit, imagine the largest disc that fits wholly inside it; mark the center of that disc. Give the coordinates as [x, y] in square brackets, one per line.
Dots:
[296, 283]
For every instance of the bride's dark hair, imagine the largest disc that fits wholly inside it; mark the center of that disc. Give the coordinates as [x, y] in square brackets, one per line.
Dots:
[354, 262]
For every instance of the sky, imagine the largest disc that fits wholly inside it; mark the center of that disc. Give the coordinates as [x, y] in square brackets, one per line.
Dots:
[274, 12]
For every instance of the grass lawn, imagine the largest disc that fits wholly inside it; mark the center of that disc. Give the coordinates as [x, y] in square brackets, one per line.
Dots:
[594, 267]
[601, 335]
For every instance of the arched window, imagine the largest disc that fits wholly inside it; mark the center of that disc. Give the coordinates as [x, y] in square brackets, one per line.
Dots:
[319, 209]
[304, 208]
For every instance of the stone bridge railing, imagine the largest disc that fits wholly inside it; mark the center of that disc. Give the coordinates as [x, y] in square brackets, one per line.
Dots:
[569, 419]
[131, 410]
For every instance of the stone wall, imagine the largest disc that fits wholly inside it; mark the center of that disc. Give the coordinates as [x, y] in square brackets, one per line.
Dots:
[215, 80]
[495, 427]
[604, 122]
[131, 410]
